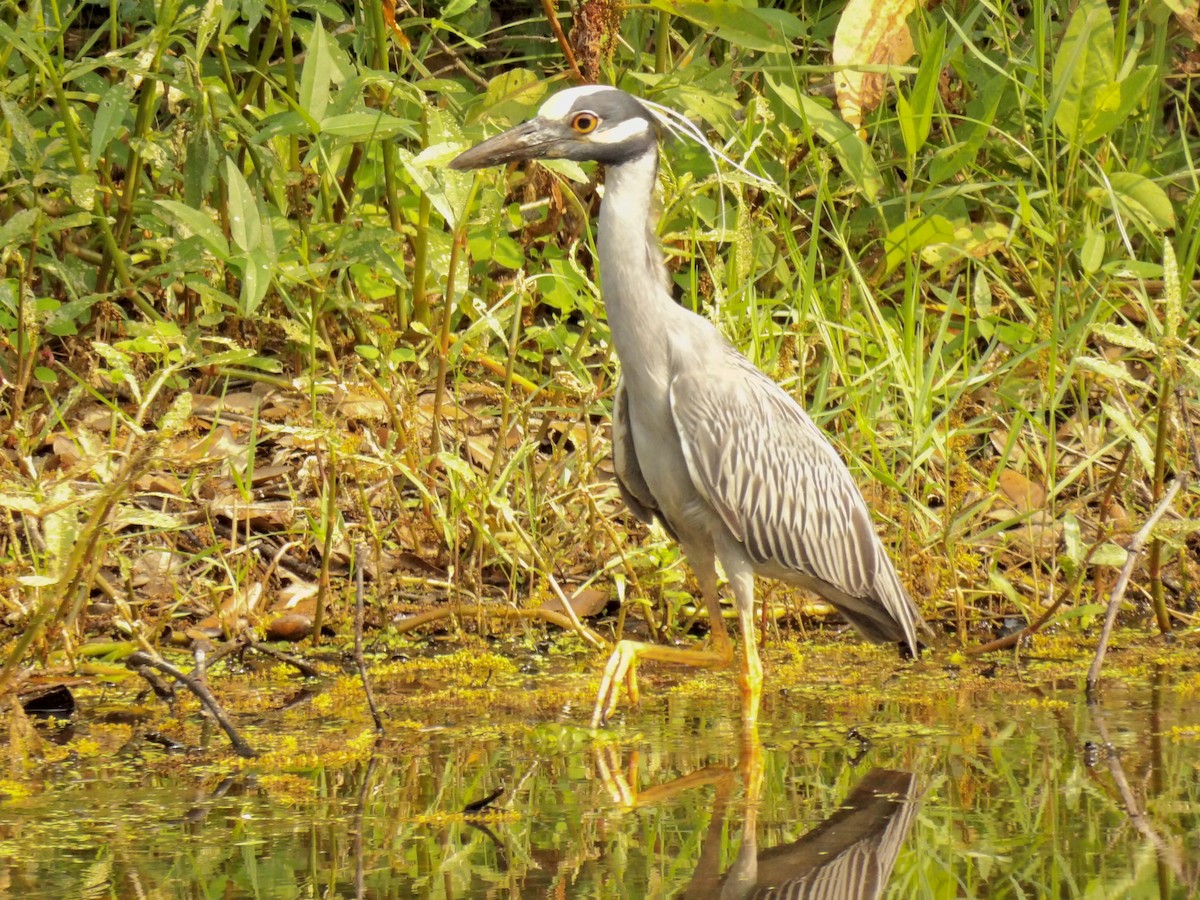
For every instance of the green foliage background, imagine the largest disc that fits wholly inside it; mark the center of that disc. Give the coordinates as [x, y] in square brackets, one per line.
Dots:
[987, 298]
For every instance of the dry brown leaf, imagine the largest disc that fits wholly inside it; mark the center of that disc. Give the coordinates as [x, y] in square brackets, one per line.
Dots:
[870, 33]
[154, 573]
[361, 405]
[293, 626]
[586, 602]
[265, 514]
[1022, 495]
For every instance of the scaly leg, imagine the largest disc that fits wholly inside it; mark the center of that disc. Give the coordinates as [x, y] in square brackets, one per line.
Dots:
[622, 665]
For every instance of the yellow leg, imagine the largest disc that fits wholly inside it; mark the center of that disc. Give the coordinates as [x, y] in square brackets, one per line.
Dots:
[622, 665]
[750, 677]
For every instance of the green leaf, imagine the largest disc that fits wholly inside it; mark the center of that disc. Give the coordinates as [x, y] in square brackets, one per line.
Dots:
[315, 76]
[1082, 611]
[368, 126]
[917, 116]
[256, 278]
[1072, 540]
[1114, 103]
[1139, 197]
[742, 26]
[83, 190]
[851, 150]
[18, 227]
[245, 227]
[500, 249]
[911, 236]
[1109, 554]
[176, 417]
[1084, 65]
[511, 95]
[110, 118]
[1091, 254]
[198, 223]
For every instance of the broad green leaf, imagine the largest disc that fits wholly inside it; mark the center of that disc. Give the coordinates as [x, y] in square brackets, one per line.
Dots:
[1138, 196]
[176, 417]
[256, 278]
[1091, 254]
[742, 26]
[500, 249]
[1083, 66]
[911, 236]
[1114, 103]
[110, 118]
[368, 126]
[198, 223]
[511, 96]
[1084, 610]
[36, 580]
[245, 227]
[852, 151]
[1110, 554]
[1172, 291]
[1072, 539]
[18, 228]
[83, 190]
[316, 74]
[199, 166]
[917, 118]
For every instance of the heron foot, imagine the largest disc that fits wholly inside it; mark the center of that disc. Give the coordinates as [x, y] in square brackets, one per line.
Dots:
[622, 667]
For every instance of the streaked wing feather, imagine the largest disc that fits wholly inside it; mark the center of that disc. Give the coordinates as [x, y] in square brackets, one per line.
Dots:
[775, 480]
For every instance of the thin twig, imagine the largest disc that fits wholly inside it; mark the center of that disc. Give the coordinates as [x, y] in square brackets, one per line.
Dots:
[1167, 854]
[570, 611]
[143, 660]
[1118, 593]
[303, 666]
[551, 10]
[358, 638]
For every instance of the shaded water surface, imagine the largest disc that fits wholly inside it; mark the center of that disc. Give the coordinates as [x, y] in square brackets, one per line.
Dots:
[950, 789]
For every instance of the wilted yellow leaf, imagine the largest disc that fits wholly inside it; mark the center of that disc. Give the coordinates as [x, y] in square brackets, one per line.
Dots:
[870, 33]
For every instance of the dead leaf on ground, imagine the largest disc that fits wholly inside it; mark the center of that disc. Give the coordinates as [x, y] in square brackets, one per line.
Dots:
[586, 602]
[1023, 495]
[262, 514]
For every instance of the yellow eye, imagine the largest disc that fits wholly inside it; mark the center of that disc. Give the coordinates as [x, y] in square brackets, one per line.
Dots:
[584, 122]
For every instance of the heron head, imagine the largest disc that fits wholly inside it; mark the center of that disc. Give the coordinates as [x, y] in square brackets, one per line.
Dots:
[593, 122]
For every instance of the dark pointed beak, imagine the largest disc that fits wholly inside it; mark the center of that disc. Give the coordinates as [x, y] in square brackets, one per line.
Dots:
[535, 139]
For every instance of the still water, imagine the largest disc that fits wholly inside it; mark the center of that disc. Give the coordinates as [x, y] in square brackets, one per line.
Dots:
[864, 779]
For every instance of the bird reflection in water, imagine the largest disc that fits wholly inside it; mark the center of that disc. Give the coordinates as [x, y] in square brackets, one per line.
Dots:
[850, 855]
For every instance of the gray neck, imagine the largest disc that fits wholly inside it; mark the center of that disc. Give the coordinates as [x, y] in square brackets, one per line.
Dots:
[632, 274]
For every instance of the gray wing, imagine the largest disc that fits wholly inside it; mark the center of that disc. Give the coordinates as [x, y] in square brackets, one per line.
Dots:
[632, 484]
[783, 491]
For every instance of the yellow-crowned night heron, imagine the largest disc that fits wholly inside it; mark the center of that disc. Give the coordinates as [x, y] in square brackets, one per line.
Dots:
[729, 463]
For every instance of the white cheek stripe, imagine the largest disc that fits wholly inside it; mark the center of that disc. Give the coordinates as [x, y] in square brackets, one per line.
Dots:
[560, 104]
[622, 131]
